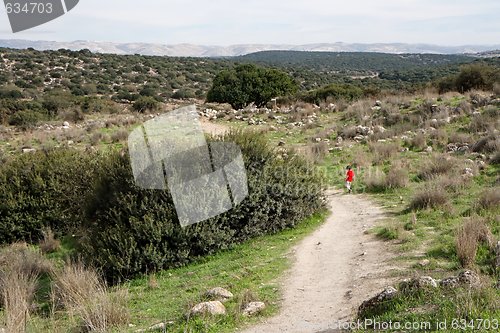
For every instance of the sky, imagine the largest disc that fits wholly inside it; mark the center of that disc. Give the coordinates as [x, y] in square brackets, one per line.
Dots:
[229, 22]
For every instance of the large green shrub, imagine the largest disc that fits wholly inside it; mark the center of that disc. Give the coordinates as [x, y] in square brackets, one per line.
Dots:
[247, 84]
[43, 189]
[131, 230]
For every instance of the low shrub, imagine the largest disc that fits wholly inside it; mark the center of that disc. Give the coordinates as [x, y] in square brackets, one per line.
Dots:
[438, 165]
[383, 152]
[429, 197]
[487, 144]
[129, 230]
[25, 119]
[419, 142]
[380, 182]
[473, 231]
[489, 199]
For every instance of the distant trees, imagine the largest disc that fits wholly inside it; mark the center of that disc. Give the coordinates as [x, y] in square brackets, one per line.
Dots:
[247, 84]
[334, 91]
[475, 76]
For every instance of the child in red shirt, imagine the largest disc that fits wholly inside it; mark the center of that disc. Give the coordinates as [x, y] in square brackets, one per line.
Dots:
[349, 178]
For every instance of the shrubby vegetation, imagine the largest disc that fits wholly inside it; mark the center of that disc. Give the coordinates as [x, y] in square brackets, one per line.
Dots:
[130, 230]
[247, 84]
[127, 230]
[475, 76]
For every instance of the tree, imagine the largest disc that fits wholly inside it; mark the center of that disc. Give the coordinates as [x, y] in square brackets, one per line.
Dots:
[248, 83]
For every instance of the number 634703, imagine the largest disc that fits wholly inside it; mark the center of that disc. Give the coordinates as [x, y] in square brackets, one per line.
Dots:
[29, 8]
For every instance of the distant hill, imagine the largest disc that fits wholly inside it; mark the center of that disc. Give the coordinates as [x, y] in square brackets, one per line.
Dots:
[190, 50]
[354, 61]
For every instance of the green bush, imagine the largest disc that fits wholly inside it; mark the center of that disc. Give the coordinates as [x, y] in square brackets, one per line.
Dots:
[346, 92]
[247, 84]
[43, 190]
[146, 103]
[25, 119]
[130, 230]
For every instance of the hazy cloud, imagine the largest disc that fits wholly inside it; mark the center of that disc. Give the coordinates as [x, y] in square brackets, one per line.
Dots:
[223, 22]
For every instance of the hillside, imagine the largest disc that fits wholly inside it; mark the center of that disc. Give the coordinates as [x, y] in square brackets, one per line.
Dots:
[190, 50]
[86, 249]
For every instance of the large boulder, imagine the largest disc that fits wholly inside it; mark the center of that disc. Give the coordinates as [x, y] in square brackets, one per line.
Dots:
[209, 308]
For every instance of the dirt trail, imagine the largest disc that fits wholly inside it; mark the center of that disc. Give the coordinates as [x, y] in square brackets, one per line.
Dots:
[335, 270]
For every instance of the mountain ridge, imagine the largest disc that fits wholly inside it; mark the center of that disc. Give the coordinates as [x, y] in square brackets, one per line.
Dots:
[192, 50]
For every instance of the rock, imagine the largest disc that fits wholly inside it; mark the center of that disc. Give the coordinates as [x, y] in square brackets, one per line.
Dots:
[422, 282]
[427, 281]
[219, 294]
[253, 308]
[450, 282]
[212, 308]
[428, 149]
[28, 151]
[424, 263]
[65, 124]
[359, 138]
[469, 278]
[158, 327]
[388, 294]
[281, 143]
[378, 103]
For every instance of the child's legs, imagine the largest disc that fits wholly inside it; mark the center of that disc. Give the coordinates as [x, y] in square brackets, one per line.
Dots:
[348, 185]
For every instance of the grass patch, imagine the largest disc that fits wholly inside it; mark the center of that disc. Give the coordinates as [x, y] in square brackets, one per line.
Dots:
[252, 268]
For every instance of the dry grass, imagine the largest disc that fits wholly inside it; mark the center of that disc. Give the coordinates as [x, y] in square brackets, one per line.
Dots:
[489, 199]
[471, 233]
[153, 282]
[452, 184]
[397, 178]
[20, 269]
[429, 197]
[457, 137]
[378, 181]
[119, 136]
[438, 165]
[439, 137]
[419, 142]
[383, 152]
[49, 243]
[316, 152]
[487, 144]
[246, 297]
[18, 290]
[85, 296]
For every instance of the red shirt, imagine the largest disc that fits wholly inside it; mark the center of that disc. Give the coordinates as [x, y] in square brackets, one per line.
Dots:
[350, 176]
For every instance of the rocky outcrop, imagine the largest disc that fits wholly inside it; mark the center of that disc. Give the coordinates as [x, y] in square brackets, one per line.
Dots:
[376, 301]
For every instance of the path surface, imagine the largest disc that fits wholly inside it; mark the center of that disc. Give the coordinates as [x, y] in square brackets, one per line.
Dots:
[335, 270]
